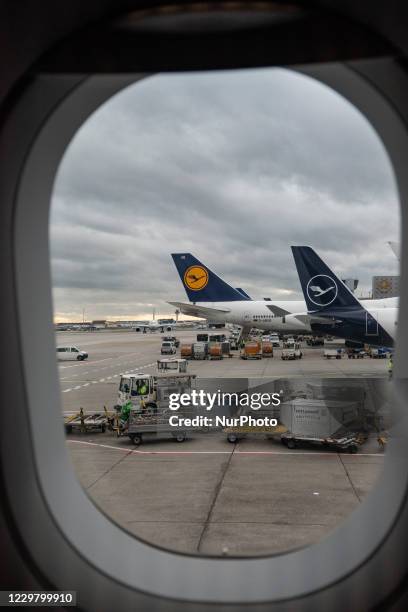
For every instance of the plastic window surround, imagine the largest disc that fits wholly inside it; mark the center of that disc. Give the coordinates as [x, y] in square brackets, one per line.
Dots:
[339, 564]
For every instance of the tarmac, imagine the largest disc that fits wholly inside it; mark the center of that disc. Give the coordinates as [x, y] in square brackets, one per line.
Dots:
[207, 496]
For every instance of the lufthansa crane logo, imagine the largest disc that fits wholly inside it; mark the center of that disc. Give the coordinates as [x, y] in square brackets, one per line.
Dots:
[196, 278]
[322, 290]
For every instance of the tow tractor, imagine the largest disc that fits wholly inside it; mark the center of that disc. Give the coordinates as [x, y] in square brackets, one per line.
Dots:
[291, 351]
[143, 404]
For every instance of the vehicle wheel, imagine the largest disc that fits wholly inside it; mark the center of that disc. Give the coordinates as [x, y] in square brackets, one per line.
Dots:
[180, 437]
[353, 449]
[290, 443]
[68, 429]
[232, 438]
[136, 439]
[103, 428]
[79, 358]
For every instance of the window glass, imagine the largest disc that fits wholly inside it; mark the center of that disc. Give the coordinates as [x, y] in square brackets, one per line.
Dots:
[174, 193]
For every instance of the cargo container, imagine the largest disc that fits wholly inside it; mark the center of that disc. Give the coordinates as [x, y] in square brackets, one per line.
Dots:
[200, 350]
[318, 418]
[186, 351]
[215, 350]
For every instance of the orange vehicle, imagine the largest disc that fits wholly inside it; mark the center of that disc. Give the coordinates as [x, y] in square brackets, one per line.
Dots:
[267, 348]
[215, 350]
[186, 351]
[251, 350]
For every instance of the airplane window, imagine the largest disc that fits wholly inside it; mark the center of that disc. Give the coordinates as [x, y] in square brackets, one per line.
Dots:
[175, 192]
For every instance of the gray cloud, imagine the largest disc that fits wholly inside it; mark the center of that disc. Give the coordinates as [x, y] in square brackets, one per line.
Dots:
[234, 167]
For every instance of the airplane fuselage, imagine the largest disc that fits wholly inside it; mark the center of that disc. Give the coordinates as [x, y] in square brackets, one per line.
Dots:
[371, 325]
[255, 313]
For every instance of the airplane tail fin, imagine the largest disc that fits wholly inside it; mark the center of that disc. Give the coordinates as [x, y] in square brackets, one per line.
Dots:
[201, 284]
[322, 289]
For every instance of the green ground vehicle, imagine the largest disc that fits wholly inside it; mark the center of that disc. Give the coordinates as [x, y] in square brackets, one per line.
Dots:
[143, 404]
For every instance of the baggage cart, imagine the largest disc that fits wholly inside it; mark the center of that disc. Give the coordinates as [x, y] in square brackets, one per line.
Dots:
[86, 422]
[215, 351]
[325, 422]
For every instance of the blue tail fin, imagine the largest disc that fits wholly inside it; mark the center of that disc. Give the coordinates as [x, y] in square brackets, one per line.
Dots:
[201, 284]
[321, 287]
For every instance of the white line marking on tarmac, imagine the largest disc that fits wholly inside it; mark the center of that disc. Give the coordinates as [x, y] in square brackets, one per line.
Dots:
[101, 380]
[140, 452]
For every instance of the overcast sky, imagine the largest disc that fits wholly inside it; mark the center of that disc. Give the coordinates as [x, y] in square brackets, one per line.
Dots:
[232, 166]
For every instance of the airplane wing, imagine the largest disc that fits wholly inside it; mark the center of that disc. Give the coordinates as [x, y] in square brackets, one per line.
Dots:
[198, 311]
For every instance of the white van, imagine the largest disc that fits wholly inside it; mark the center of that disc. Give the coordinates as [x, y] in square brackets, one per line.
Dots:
[70, 353]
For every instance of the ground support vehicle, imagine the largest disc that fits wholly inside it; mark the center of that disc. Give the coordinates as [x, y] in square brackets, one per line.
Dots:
[86, 422]
[200, 350]
[71, 353]
[267, 349]
[186, 351]
[332, 353]
[292, 352]
[274, 338]
[251, 350]
[147, 395]
[215, 351]
[319, 421]
[168, 348]
[150, 419]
